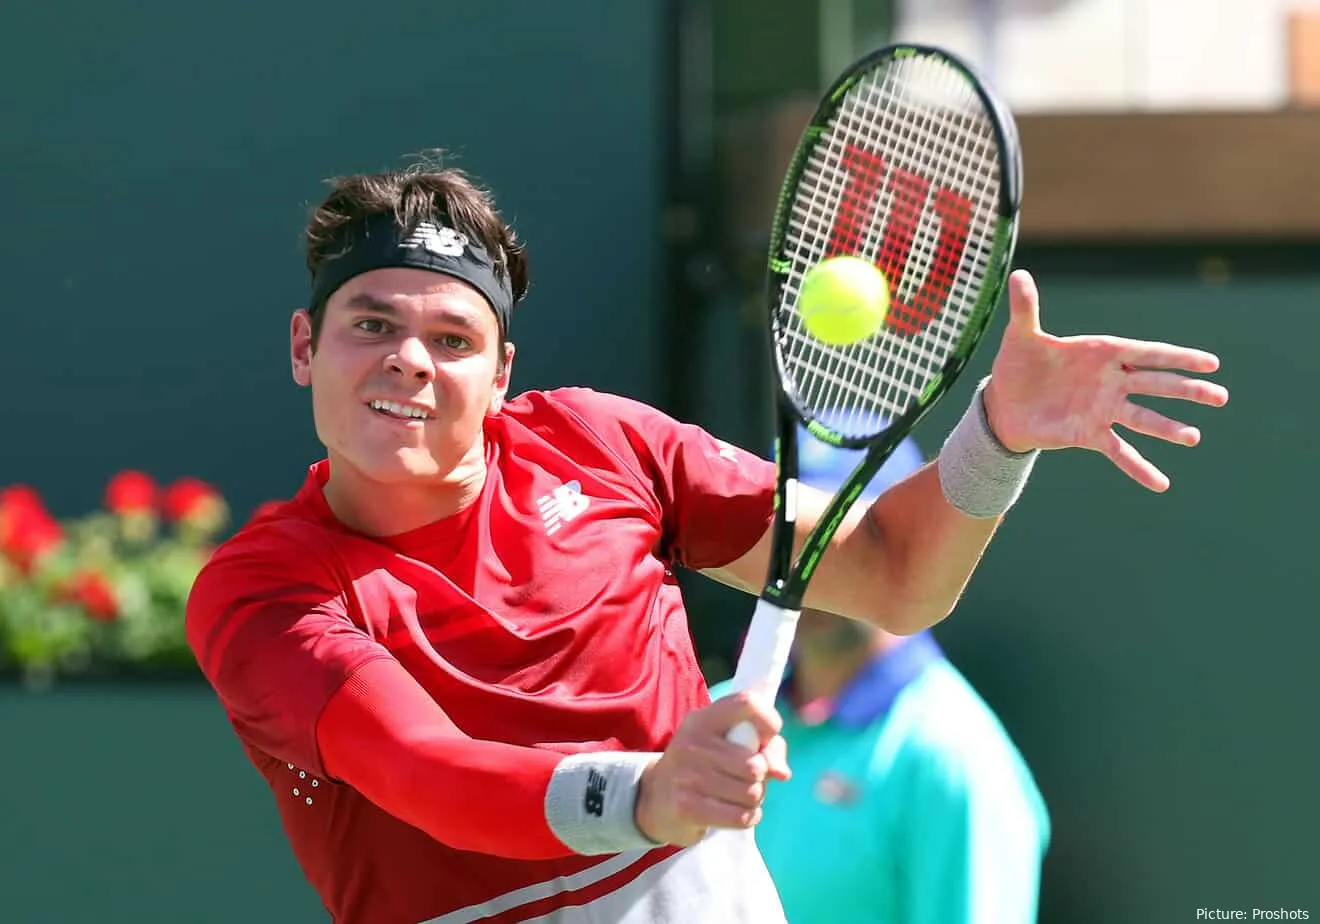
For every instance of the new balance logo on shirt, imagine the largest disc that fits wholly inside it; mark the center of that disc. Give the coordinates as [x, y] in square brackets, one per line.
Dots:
[562, 505]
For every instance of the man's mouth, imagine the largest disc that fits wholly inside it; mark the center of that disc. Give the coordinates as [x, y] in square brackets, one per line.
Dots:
[401, 411]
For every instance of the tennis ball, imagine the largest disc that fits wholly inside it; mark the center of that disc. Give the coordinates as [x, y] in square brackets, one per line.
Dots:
[843, 300]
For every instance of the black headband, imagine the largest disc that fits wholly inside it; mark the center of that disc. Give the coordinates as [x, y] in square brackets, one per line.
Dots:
[379, 243]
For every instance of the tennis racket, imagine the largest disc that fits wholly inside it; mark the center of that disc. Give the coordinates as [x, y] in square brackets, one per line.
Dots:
[912, 163]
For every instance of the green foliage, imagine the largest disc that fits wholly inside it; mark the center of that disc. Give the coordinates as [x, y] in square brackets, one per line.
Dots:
[103, 594]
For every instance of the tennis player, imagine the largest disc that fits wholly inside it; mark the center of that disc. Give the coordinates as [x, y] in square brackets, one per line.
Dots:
[459, 656]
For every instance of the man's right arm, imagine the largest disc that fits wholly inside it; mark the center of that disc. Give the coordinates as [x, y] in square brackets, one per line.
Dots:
[304, 684]
[384, 736]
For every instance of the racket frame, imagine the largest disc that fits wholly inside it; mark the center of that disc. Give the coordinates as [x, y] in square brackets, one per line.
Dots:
[787, 578]
[765, 653]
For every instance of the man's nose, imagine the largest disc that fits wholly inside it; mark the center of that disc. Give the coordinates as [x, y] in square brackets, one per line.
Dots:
[412, 358]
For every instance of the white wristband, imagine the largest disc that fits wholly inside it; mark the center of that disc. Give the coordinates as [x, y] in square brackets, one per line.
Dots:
[978, 475]
[591, 799]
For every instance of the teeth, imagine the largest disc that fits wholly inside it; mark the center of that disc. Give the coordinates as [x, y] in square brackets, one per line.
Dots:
[399, 410]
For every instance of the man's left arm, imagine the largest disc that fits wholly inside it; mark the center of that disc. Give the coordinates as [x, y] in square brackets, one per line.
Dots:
[903, 563]
[900, 564]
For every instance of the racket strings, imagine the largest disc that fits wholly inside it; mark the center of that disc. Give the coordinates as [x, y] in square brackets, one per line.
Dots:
[907, 176]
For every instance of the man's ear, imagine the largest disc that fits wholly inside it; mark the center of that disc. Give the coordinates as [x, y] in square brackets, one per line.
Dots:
[501, 388]
[300, 347]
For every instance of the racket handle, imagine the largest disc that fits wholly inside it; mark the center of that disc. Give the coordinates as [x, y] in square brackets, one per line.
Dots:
[763, 661]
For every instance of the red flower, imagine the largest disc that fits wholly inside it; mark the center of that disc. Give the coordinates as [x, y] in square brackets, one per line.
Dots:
[27, 530]
[193, 500]
[93, 592]
[20, 496]
[130, 493]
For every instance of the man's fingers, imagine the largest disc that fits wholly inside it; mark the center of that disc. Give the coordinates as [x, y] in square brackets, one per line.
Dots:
[709, 812]
[1132, 463]
[776, 758]
[1023, 301]
[736, 762]
[721, 787]
[729, 711]
[1142, 354]
[1173, 385]
[1152, 423]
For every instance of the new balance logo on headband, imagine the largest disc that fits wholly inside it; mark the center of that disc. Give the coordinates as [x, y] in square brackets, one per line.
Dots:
[439, 240]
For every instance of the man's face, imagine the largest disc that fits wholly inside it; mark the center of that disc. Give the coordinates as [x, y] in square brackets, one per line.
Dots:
[406, 366]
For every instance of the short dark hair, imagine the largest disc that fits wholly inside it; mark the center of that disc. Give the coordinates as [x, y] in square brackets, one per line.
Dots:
[424, 190]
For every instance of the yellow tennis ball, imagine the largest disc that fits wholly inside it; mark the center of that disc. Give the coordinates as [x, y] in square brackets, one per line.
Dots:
[843, 300]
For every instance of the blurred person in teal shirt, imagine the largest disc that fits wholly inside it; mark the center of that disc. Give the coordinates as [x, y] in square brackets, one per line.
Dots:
[909, 803]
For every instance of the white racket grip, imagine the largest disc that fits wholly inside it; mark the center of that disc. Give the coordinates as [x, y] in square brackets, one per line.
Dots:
[763, 661]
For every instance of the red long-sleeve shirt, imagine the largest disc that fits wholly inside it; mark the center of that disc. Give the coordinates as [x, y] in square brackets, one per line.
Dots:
[407, 698]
